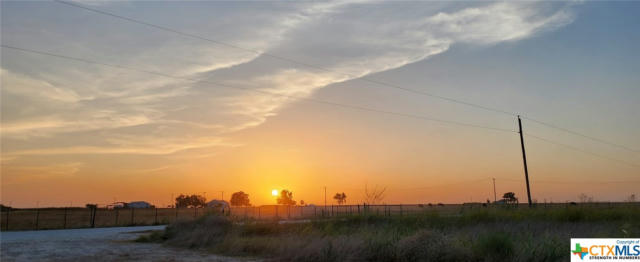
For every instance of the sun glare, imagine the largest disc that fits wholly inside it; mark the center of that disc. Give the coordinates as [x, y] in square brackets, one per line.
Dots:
[274, 192]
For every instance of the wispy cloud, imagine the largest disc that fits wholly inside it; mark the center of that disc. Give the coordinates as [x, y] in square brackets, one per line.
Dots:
[16, 174]
[136, 146]
[372, 49]
[136, 113]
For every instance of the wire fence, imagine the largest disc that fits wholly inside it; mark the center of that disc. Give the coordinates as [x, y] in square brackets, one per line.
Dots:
[67, 218]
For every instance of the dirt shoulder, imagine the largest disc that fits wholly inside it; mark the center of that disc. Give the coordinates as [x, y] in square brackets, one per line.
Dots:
[97, 244]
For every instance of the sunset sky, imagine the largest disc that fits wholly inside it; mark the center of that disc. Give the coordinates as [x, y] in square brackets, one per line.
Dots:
[77, 133]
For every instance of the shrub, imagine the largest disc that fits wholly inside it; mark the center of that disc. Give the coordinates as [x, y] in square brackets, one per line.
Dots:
[341, 248]
[430, 246]
[154, 237]
[203, 232]
[497, 246]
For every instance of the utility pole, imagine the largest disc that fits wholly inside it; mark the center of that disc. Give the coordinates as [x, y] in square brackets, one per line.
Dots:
[325, 196]
[222, 192]
[494, 190]
[524, 159]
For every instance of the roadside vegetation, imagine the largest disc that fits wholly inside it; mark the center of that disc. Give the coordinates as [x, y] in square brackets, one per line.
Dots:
[487, 234]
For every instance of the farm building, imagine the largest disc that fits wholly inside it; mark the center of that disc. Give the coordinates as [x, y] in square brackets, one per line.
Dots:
[219, 204]
[138, 204]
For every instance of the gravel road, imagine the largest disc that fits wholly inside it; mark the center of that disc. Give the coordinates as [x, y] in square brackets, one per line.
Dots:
[95, 244]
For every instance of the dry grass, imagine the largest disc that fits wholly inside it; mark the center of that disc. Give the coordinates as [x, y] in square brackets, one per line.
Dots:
[490, 234]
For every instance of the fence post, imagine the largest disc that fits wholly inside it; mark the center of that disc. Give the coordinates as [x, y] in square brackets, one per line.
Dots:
[7, 220]
[195, 212]
[276, 212]
[156, 219]
[132, 214]
[259, 212]
[37, 217]
[117, 214]
[400, 210]
[93, 217]
[176, 213]
[64, 225]
[288, 212]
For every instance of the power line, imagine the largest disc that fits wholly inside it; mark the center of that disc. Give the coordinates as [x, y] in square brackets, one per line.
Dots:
[360, 108]
[582, 135]
[361, 78]
[581, 150]
[574, 182]
[444, 185]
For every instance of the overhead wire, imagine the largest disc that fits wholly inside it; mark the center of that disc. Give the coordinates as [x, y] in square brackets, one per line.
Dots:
[571, 182]
[580, 150]
[582, 135]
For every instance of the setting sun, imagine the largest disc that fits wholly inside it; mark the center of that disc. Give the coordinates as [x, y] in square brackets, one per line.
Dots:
[274, 192]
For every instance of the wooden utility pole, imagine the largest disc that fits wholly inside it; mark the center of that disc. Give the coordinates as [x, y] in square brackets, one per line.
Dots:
[494, 190]
[524, 159]
[325, 196]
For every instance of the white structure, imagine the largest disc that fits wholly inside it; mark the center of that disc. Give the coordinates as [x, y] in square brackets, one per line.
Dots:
[218, 204]
[138, 204]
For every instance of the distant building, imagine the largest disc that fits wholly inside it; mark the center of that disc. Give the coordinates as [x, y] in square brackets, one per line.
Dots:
[138, 204]
[218, 204]
[116, 205]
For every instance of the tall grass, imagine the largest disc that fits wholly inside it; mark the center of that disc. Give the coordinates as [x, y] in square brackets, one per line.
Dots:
[491, 234]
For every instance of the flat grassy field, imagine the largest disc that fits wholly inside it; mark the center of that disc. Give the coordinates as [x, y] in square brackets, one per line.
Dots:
[487, 234]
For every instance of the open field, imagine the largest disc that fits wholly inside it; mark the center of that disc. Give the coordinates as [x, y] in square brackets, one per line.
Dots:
[485, 234]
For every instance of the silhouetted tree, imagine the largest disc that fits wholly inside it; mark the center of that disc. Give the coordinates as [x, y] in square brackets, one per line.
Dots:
[286, 198]
[374, 196]
[341, 198]
[584, 198]
[183, 201]
[240, 199]
[510, 198]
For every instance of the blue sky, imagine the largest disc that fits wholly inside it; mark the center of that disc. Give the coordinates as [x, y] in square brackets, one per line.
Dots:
[572, 64]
